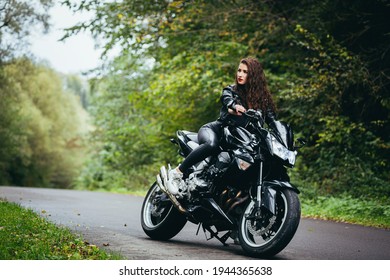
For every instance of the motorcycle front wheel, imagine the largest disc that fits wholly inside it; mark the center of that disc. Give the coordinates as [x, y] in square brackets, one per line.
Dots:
[160, 220]
[263, 234]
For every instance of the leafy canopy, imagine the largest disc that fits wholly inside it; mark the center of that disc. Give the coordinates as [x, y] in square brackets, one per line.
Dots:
[327, 66]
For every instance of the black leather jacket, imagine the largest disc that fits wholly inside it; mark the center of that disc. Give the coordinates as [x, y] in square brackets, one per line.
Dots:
[229, 100]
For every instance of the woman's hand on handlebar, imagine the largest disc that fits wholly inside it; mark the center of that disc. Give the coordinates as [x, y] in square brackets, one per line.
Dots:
[239, 110]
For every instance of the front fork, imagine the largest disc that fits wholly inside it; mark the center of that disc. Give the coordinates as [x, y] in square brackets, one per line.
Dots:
[266, 192]
[259, 186]
[265, 196]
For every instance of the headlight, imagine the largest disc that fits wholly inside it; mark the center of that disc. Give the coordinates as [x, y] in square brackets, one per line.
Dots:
[244, 159]
[242, 164]
[282, 152]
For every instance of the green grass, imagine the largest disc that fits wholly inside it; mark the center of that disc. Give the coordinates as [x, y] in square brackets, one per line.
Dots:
[367, 209]
[345, 208]
[24, 235]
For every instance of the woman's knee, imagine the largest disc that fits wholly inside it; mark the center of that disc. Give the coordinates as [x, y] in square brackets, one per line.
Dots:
[213, 143]
[209, 138]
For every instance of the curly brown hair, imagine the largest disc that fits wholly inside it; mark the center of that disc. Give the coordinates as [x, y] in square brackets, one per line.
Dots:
[255, 92]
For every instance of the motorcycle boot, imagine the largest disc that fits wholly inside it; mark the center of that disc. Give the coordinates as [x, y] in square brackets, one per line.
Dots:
[175, 181]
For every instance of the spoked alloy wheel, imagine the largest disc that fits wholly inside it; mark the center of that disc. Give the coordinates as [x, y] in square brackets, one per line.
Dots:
[159, 218]
[262, 234]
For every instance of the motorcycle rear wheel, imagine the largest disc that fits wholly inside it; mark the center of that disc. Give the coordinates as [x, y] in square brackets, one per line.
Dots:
[160, 220]
[267, 234]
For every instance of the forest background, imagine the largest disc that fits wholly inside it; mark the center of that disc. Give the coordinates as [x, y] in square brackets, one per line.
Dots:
[327, 64]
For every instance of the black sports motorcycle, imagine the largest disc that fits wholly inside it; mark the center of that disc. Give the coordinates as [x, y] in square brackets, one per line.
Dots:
[247, 196]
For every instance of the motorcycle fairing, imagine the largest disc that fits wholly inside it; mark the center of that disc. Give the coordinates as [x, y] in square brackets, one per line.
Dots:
[207, 210]
[210, 204]
[284, 133]
[237, 137]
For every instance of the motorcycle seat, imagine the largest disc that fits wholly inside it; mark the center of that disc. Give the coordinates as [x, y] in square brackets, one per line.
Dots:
[190, 136]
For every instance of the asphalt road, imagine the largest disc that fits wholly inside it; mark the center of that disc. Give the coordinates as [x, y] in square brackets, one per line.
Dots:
[112, 221]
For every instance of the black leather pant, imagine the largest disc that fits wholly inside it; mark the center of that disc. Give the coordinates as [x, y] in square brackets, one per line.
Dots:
[209, 136]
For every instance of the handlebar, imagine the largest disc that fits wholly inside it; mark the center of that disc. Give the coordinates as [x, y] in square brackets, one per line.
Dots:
[251, 113]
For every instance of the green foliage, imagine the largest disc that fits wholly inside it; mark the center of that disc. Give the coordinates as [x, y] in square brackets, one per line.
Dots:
[345, 153]
[11, 126]
[44, 122]
[17, 18]
[195, 80]
[136, 112]
[327, 74]
[119, 140]
[24, 235]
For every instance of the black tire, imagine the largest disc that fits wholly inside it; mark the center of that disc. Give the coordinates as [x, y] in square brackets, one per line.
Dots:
[160, 220]
[267, 236]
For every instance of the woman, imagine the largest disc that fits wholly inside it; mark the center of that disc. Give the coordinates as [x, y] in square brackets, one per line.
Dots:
[249, 92]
